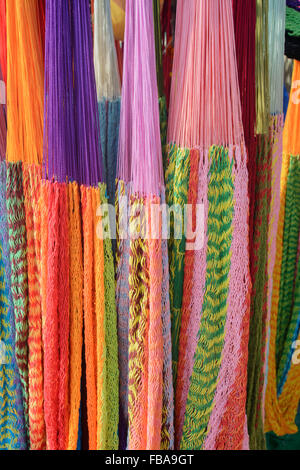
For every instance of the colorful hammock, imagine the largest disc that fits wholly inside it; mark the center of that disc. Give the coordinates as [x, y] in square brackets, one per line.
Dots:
[282, 395]
[209, 156]
[78, 279]
[146, 405]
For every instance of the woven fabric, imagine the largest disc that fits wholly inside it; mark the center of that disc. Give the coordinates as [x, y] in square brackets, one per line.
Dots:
[211, 333]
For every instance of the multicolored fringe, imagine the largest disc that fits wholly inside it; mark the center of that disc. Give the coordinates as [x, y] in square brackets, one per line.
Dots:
[177, 183]
[13, 433]
[208, 355]
[19, 278]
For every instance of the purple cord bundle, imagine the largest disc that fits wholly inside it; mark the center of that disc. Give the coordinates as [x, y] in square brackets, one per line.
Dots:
[71, 129]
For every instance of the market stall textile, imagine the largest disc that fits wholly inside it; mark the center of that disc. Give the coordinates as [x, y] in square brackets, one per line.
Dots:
[146, 394]
[209, 351]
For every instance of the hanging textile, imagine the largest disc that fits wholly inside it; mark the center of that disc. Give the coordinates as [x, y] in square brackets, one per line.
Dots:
[25, 57]
[282, 397]
[259, 236]
[146, 401]
[12, 422]
[276, 25]
[160, 79]
[78, 281]
[206, 147]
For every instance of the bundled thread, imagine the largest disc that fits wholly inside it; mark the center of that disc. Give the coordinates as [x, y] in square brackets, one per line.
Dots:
[24, 59]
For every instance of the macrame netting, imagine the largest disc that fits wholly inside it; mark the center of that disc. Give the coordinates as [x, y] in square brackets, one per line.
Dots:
[207, 155]
[146, 405]
[282, 394]
[270, 28]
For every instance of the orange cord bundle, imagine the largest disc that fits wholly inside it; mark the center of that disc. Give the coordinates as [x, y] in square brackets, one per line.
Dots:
[25, 81]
